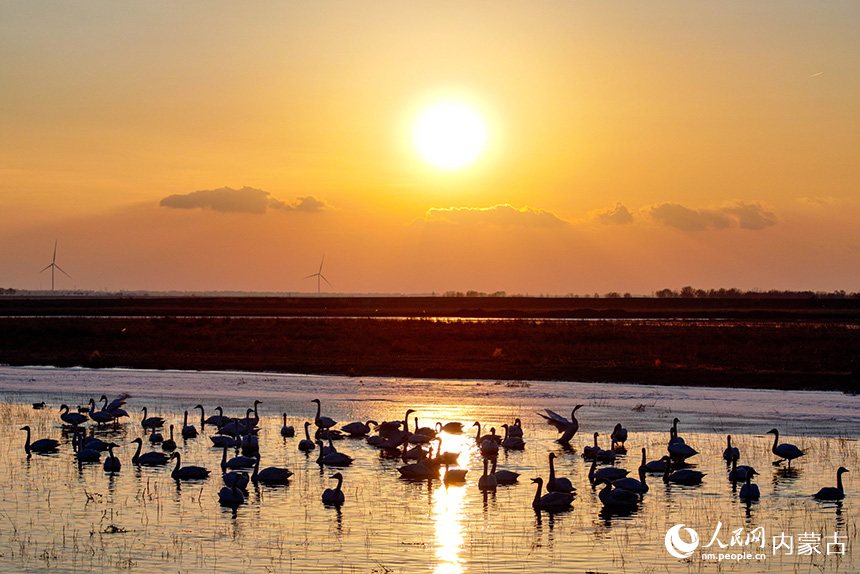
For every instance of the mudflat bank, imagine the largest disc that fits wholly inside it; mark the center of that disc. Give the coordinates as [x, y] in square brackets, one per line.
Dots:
[814, 345]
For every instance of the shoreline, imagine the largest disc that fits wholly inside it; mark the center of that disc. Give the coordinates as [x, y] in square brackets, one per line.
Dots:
[814, 355]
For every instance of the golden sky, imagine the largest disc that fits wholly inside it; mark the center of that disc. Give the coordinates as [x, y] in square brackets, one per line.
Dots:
[631, 146]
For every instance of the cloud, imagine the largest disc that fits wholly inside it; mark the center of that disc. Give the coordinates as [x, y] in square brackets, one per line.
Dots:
[753, 216]
[501, 215]
[618, 215]
[245, 200]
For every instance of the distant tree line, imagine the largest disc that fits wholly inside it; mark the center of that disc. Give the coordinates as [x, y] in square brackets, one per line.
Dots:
[692, 293]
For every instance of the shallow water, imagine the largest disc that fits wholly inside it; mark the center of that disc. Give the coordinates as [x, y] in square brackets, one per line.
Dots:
[63, 517]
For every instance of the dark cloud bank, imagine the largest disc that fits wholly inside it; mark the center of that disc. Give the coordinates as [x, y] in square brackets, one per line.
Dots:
[245, 200]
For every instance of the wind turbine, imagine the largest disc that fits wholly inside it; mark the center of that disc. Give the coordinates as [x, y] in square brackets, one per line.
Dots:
[318, 275]
[53, 266]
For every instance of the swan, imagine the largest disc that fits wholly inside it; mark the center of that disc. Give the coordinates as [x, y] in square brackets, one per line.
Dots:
[512, 442]
[481, 438]
[236, 461]
[218, 420]
[169, 444]
[557, 484]
[101, 418]
[560, 423]
[830, 492]
[188, 431]
[324, 423]
[617, 499]
[236, 478]
[82, 453]
[426, 431]
[112, 463]
[618, 436]
[250, 445]
[150, 423]
[673, 432]
[270, 475]
[231, 496]
[749, 491]
[487, 481]
[115, 407]
[785, 450]
[739, 472]
[334, 495]
[287, 430]
[358, 428]
[256, 420]
[42, 445]
[731, 452]
[187, 472]
[450, 428]
[421, 470]
[74, 419]
[454, 474]
[333, 458]
[658, 466]
[516, 429]
[680, 451]
[608, 472]
[597, 453]
[306, 444]
[237, 427]
[156, 438]
[631, 484]
[504, 476]
[684, 476]
[222, 440]
[93, 442]
[489, 447]
[552, 501]
[151, 458]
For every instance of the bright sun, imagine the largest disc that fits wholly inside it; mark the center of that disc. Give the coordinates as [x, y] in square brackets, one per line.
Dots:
[450, 135]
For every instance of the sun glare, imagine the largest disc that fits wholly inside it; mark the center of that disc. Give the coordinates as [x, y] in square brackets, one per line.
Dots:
[450, 135]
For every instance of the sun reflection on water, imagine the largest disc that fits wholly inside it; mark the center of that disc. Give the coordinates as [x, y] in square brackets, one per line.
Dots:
[448, 517]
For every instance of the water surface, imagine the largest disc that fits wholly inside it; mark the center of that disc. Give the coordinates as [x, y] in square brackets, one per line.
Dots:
[64, 517]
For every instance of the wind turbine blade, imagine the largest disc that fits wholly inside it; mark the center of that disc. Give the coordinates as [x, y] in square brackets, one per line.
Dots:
[321, 263]
[326, 280]
[64, 273]
[46, 268]
[54, 260]
[314, 275]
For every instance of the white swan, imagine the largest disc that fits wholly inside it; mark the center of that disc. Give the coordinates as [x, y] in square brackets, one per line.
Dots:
[112, 463]
[617, 499]
[830, 492]
[231, 496]
[323, 423]
[684, 476]
[188, 431]
[512, 442]
[74, 419]
[271, 475]
[785, 450]
[287, 430]
[618, 436]
[151, 458]
[187, 472]
[334, 495]
[43, 445]
[504, 476]
[169, 444]
[552, 501]
[631, 484]
[557, 484]
[731, 452]
[487, 481]
[236, 462]
[306, 444]
[749, 491]
[608, 472]
[150, 423]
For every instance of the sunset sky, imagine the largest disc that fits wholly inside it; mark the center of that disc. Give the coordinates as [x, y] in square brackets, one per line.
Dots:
[628, 146]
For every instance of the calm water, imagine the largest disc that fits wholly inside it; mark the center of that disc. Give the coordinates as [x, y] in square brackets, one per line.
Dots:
[59, 516]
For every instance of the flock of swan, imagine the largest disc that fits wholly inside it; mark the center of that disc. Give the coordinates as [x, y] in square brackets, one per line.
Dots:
[420, 451]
